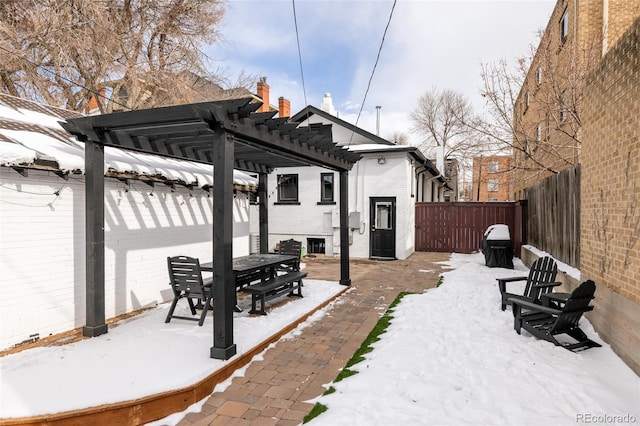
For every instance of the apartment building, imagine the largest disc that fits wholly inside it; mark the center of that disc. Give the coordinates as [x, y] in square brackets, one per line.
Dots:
[548, 111]
[491, 178]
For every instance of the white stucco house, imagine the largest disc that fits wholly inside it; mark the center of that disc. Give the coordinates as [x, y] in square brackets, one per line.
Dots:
[154, 208]
[383, 188]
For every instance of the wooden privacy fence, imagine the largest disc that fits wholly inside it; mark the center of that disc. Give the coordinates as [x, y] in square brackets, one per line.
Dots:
[554, 216]
[459, 226]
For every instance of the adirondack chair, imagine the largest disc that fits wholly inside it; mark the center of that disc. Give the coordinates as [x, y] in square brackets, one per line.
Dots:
[546, 322]
[186, 282]
[541, 280]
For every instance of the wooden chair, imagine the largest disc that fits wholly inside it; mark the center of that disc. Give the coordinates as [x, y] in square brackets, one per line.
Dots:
[187, 283]
[546, 322]
[539, 281]
[291, 247]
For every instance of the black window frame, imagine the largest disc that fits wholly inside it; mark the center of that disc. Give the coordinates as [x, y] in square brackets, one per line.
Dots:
[282, 180]
[323, 199]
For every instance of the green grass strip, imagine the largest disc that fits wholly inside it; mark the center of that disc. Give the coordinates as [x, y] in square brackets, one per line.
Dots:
[380, 327]
[315, 412]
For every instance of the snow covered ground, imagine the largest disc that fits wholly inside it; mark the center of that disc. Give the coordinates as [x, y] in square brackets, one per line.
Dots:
[136, 358]
[451, 357]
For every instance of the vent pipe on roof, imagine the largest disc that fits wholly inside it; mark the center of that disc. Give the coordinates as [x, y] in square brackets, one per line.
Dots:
[378, 120]
[327, 104]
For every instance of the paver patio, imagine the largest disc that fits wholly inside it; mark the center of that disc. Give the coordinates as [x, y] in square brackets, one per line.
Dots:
[277, 389]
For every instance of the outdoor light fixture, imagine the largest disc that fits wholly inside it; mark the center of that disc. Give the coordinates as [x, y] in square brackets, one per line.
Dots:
[382, 160]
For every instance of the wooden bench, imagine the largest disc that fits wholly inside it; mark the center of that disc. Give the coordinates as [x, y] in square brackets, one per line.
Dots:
[245, 279]
[274, 287]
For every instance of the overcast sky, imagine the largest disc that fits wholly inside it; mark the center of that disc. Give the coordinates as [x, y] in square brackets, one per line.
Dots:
[429, 44]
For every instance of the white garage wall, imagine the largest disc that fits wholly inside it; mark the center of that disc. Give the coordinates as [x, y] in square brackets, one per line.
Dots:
[42, 247]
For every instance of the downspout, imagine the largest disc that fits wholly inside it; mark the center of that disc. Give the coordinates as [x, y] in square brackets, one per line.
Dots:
[418, 172]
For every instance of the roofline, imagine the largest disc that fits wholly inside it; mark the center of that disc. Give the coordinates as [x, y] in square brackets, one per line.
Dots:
[310, 110]
[413, 152]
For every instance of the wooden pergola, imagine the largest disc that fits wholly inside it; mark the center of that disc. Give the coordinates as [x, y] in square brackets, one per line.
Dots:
[227, 135]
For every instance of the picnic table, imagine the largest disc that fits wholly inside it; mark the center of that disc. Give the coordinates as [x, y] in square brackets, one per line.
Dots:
[255, 266]
[257, 274]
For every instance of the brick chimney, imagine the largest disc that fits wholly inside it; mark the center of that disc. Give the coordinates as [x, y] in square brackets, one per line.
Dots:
[284, 107]
[93, 108]
[263, 93]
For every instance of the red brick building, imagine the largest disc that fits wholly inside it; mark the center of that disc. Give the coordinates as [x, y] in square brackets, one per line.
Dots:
[491, 178]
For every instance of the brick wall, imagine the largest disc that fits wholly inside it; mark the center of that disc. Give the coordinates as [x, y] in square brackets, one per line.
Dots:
[42, 248]
[610, 194]
[621, 14]
[592, 31]
[485, 178]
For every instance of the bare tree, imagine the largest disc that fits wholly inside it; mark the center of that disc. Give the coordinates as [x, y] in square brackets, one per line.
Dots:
[399, 138]
[533, 109]
[442, 118]
[140, 53]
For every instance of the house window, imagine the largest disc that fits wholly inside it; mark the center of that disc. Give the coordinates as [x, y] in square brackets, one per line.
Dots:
[526, 102]
[315, 245]
[539, 132]
[564, 25]
[326, 188]
[539, 75]
[492, 185]
[563, 106]
[287, 188]
[492, 166]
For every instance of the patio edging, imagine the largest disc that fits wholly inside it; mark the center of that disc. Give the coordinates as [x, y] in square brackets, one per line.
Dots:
[154, 407]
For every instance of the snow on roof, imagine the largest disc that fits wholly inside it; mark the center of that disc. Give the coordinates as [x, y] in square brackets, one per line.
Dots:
[30, 132]
[378, 147]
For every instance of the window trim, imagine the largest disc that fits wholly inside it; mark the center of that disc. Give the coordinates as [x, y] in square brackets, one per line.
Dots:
[493, 185]
[324, 200]
[564, 25]
[563, 107]
[295, 200]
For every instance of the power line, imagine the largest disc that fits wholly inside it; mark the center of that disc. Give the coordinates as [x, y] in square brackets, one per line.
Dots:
[295, 21]
[68, 80]
[375, 65]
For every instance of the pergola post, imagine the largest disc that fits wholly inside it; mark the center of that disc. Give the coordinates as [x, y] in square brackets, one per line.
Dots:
[263, 212]
[224, 290]
[345, 279]
[94, 229]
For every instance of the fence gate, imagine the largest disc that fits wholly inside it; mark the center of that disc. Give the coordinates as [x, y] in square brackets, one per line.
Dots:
[459, 226]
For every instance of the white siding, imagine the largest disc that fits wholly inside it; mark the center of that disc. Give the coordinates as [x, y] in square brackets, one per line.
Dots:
[307, 219]
[42, 246]
[367, 179]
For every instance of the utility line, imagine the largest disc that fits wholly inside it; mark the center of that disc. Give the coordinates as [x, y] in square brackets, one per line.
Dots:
[68, 80]
[295, 21]
[374, 68]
